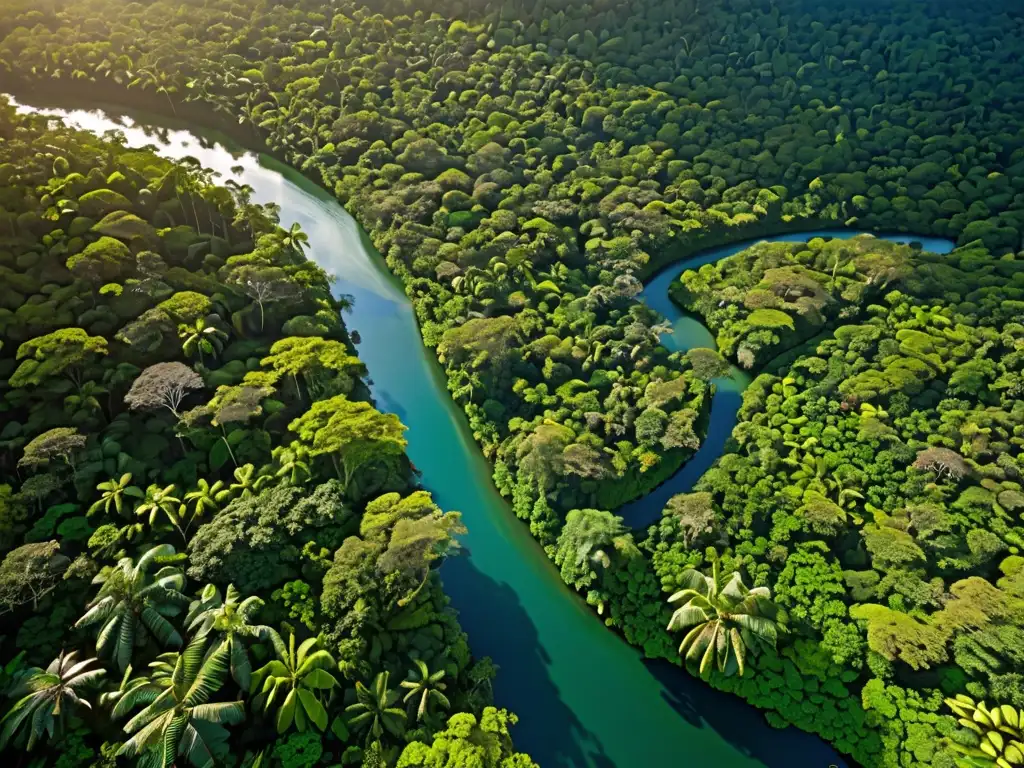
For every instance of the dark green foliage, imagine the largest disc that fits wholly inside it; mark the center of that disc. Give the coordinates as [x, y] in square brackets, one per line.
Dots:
[256, 542]
[518, 165]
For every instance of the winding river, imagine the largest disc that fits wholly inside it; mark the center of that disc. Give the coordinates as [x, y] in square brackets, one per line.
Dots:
[689, 333]
[584, 697]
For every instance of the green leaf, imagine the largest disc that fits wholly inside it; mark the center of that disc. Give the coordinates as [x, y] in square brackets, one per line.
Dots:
[286, 714]
[319, 678]
[313, 708]
[237, 436]
[219, 455]
[339, 729]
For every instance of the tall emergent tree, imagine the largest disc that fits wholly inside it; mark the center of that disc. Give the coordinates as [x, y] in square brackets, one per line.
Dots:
[351, 433]
[164, 385]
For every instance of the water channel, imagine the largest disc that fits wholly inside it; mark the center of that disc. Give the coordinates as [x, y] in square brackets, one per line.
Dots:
[584, 697]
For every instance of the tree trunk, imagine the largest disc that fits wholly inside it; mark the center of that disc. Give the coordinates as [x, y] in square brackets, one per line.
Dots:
[231, 453]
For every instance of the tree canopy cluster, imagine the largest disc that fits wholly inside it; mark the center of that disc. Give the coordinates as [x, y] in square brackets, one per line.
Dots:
[875, 485]
[212, 550]
[522, 166]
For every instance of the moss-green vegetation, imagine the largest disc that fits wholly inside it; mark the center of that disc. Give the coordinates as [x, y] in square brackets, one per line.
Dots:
[206, 536]
[521, 164]
[774, 296]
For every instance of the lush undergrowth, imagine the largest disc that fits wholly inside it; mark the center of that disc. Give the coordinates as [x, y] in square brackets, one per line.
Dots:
[214, 551]
[520, 165]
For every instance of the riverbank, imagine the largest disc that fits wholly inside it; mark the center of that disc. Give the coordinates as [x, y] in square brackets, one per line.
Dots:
[549, 644]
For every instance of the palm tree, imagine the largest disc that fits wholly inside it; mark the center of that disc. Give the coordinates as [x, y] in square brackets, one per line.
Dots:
[809, 472]
[132, 601]
[230, 618]
[207, 497]
[728, 619]
[999, 731]
[293, 463]
[177, 718]
[153, 77]
[200, 337]
[157, 500]
[247, 482]
[47, 698]
[114, 492]
[426, 688]
[374, 710]
[161, 500]
[295, 239]
[300, 677]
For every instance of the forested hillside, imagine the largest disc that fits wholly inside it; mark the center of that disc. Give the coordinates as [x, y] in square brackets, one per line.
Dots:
[523, 166]
[213, 544]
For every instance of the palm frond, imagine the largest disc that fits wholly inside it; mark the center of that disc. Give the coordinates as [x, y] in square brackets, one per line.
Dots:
[687, 616]
[209, 678]
[695, 580]
[220, 713]
[161, 628]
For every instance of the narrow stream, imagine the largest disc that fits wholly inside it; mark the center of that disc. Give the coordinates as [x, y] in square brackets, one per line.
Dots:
[584, 697]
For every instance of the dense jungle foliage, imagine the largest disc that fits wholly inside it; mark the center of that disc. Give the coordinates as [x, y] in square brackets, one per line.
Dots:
[875, 484]
[213, 548]
[523, 165]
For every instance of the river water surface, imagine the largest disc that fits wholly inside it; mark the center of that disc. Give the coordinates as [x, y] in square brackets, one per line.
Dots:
[584, 697]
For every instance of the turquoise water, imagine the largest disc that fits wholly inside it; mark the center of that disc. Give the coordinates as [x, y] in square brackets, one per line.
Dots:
[585, 698]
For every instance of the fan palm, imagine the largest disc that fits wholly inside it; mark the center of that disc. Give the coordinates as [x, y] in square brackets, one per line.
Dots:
[374, 710]
[113, 494]
[424, 688]
[726, 617]
[200, 337]
[247, 482]
[296, 239]
[293, 463]
[131, 602]
[297, 678]
[230, 617]
[157, 500]
[207, 497]
[47, 698]
[177, 718]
